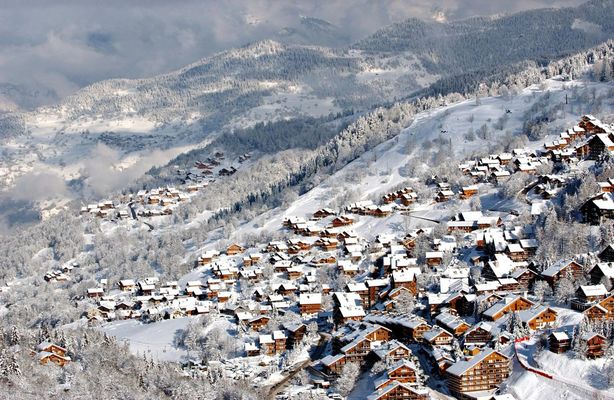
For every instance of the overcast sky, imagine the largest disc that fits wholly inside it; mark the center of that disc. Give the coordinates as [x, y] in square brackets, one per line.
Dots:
[52, 48]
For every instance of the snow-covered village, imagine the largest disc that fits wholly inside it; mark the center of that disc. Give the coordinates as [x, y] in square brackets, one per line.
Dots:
[454, 305]
[450, 237]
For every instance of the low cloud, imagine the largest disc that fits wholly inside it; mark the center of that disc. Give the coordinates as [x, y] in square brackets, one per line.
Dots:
[105, 172]
[38, 186]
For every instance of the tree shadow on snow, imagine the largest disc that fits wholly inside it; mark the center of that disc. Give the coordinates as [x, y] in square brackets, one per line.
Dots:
[596, 378]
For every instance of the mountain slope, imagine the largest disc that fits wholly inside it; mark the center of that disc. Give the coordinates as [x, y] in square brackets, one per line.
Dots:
[269, 81]
[480, 43]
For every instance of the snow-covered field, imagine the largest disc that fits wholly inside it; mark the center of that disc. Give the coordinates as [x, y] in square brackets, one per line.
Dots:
[154, 340]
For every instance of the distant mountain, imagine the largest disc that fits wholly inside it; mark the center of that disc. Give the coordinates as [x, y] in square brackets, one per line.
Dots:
[484, 42]
[314, 30]
[21, 97]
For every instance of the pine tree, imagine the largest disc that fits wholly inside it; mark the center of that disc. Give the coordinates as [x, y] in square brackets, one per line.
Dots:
[4, 367]
[13, 366]
[14, 337]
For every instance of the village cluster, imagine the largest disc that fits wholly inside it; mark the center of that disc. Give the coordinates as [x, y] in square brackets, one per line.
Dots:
[162, 200]
[404, 301]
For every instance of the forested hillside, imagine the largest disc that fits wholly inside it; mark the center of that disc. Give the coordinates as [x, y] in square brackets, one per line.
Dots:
[481, 43]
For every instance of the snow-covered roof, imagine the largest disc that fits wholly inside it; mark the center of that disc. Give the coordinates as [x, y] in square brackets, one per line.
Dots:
[460, 367]
[532, 313]
[607, 269]
[357, 287]
[434, 332]
[266, 339]
[594, 290]
[332, 359]
[556, 268]
[310, 298]
[487, 286]
[499, 306]
[394, 385]
[406, 275]
[390, 346]
[560, 336]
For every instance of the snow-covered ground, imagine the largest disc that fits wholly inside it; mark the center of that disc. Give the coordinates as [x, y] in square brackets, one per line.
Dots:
[380, 170]
[154, 340]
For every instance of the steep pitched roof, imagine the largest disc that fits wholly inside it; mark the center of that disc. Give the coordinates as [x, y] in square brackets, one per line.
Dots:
[460, 367]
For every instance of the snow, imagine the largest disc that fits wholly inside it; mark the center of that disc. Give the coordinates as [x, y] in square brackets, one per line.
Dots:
[378, 171]
[154, 339]
[572, 378]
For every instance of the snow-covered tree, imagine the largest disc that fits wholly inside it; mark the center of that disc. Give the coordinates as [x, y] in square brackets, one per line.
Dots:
[564, 291]
[405, 302]
[345, 382]
[542, 290]
[515, 326]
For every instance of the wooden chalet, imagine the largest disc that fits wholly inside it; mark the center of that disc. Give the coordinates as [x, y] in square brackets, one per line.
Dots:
[361, 290]
[296, 333]
[483, 372]
[452, 323]
[598, 208]
[434, 258]
[95, 292]
[399, 391]
[258, 323]
[402, 371]
[468, 191]
[508, 304]
[525, 277]
[267, 345]
[563, 269]
[48, 352]
[437, 336]
[375, 286]
[591, 125]
[310, 303]
[559, 342]
[607, 254]
[127, 285]
[357, 350]
[480, 334]
[538, 317]
[323, 213]
[347, 307]
[333, 364]
[393, 351]
[587, 295]
[596, 147]
[251, 350]
[444, 195]
[602, 271]
[595, 344]
[234, 249]
[342, 220]
[602, 311]
[406, 278]
[280, 339]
